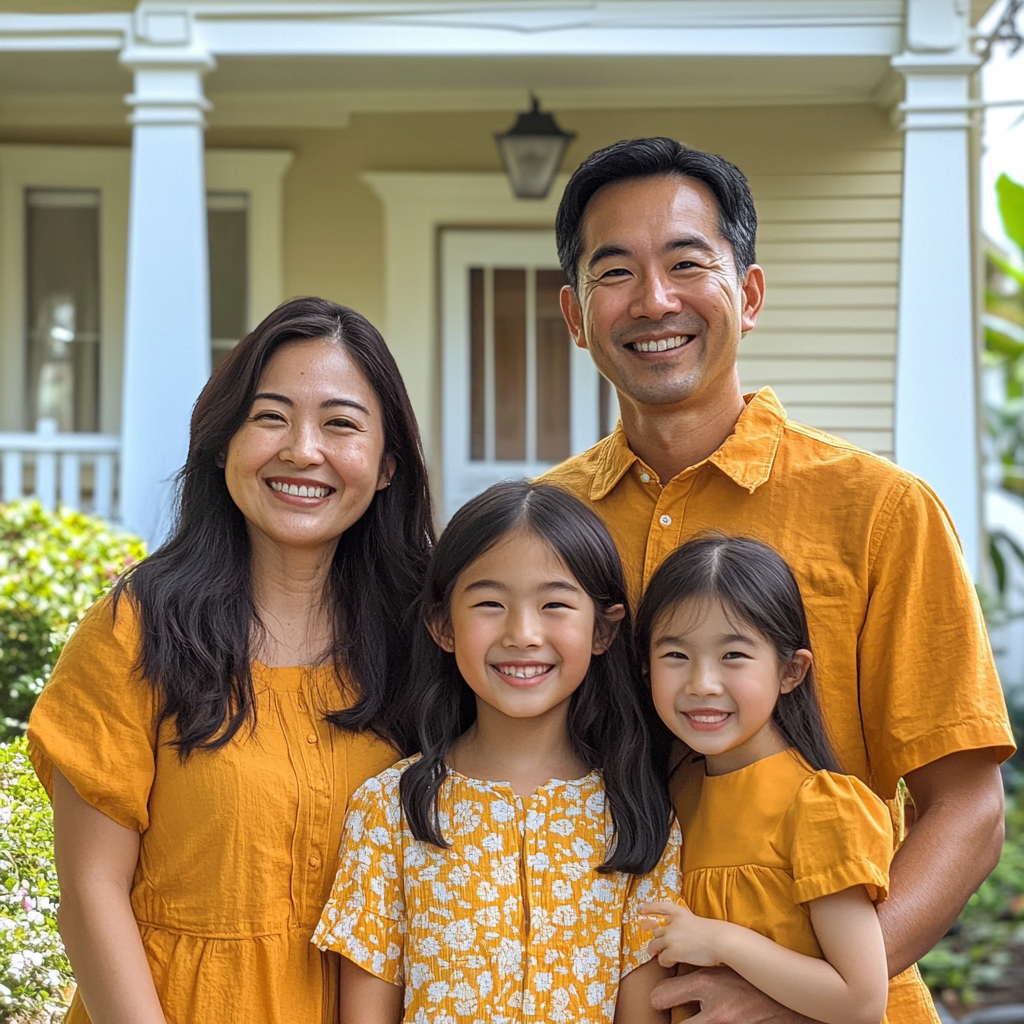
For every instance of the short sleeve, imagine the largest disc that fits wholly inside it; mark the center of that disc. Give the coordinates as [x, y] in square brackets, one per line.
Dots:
[839, 835]
[364, 919]
[664, 882]
[928, 682]
[96, 718]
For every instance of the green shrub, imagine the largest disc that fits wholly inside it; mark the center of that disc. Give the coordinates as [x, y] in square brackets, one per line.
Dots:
[976, 952]
[35, 977]
[53, 565]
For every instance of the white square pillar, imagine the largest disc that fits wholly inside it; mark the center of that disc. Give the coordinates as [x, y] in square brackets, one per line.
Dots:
[167, 312]
[936, 414]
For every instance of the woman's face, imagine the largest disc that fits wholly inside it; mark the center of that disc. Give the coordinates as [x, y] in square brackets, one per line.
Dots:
[307, 461]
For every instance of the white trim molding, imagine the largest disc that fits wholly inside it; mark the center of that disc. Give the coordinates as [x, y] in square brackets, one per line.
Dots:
[478, 27]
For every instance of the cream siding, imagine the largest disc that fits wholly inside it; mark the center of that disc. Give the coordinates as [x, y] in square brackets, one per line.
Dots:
[826, 341]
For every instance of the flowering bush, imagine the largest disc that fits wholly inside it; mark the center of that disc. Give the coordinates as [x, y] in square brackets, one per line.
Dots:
[53, 565]
[35, 977]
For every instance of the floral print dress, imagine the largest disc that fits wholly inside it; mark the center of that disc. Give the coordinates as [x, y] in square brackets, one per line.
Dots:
[513, 922]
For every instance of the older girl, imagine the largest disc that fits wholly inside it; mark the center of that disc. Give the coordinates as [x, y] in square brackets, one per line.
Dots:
[498, 877]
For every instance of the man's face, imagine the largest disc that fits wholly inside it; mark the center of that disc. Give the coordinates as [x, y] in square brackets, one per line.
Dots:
[661, 305]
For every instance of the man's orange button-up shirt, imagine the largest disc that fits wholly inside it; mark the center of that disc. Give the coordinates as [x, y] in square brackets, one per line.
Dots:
[902, 662]
[903, 665]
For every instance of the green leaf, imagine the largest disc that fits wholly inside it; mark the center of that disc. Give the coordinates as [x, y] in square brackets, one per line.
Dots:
[999, 565]
[1003, 343]
[1011, 208]
[1005, 266]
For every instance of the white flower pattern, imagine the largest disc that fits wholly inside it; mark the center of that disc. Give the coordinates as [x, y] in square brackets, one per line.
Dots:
[512, 923]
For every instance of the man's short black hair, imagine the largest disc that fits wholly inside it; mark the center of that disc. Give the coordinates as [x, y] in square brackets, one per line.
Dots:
[649, 158]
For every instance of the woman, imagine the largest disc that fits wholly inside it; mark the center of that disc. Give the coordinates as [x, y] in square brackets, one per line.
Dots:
[206, 724]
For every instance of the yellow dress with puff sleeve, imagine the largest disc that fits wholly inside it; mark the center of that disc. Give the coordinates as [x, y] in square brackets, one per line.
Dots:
[238, 845]
[761, 842]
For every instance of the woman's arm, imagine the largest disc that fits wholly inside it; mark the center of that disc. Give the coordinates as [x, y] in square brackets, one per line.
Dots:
[367, 999]
[96, 860]
[850, 986]
[633, 1003]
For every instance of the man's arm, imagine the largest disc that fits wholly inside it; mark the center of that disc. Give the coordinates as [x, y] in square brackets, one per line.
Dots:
[953, 845]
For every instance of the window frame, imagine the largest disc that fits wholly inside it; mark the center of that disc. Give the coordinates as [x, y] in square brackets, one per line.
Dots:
[107, 170]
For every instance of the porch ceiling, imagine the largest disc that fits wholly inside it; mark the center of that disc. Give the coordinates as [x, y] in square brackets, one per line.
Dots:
[369, 82]
[88, 87]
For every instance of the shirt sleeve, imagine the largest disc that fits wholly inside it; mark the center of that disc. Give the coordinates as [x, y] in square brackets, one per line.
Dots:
[365, 919]
[664, 882]
[96, 718]
[928, 682]
[840, 835]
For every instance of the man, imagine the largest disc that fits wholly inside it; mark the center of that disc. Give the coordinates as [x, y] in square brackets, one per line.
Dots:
[657, 241]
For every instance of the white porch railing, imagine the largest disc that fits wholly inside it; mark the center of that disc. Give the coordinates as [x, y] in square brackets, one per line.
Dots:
[78, 471]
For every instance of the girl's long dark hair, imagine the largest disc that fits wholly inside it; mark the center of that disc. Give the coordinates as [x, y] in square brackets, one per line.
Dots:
[609, 712]
[756, 585]
[194, 594]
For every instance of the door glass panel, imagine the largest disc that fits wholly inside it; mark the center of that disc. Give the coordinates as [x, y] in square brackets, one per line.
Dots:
[228, 230]
[510, 365]
[553, 341]
[63, 306]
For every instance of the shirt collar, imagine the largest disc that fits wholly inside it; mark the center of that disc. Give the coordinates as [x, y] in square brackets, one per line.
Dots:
[746, 456]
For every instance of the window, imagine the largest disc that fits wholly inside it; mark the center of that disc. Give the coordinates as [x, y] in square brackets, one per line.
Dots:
[228, 231]
[62, 308]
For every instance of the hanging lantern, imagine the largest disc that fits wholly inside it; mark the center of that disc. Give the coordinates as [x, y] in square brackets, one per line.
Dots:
[532, 151]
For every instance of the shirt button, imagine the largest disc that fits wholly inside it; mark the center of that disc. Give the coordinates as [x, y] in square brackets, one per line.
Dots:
[314, 862]
[665, 520]
[311, 738]
[645, 477]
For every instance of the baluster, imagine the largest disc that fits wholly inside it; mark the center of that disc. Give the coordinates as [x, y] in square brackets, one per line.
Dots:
[46, 479]
[13, 489]
[70, 480]
[103, 486]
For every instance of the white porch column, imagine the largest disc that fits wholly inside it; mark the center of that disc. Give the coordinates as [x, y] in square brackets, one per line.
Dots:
[936, 362]
[167, 318]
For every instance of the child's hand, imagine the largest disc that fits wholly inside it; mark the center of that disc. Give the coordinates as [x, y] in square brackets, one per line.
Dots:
[681, 937]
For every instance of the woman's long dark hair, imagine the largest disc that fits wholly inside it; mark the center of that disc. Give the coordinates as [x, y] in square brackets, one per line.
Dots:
[194, 594]
[755, 584]
[608, 713]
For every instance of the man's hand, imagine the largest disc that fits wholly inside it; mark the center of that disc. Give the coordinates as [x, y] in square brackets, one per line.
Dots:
[724, 997]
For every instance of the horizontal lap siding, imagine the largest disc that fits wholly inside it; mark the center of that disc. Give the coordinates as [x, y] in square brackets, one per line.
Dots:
[829, 244]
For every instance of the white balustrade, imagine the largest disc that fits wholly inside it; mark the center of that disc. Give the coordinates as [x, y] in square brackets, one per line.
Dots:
[77, 471]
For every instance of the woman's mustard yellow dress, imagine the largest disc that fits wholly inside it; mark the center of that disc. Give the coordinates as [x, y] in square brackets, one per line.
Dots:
[238, 846]
[761, 842]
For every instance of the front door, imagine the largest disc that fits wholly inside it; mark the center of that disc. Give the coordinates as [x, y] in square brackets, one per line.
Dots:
[518, 395]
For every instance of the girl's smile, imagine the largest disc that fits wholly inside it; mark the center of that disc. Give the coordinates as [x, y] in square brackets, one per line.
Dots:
[707, 720]
[715, 681]
[523, 674]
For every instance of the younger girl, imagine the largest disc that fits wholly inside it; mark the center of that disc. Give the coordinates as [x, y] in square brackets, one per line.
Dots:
[783, 856]
[498, 877]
